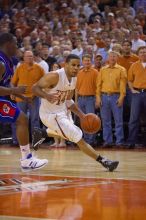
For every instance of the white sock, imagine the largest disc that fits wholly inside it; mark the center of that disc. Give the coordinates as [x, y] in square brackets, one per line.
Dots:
[25, 150]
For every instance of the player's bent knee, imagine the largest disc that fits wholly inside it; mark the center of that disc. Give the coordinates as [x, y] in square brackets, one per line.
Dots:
[76, 135]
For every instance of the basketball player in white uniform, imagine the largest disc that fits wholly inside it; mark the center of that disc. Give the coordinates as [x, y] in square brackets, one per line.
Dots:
[55, 89]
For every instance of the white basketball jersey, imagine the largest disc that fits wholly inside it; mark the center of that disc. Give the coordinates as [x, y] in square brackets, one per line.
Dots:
[63, 88]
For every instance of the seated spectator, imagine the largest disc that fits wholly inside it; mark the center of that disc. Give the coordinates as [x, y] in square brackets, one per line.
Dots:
[41, 62]
[78, 50]
[45, 55]
[136, 41]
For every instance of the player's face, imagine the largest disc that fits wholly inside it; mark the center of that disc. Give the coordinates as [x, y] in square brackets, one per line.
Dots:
[73, 67]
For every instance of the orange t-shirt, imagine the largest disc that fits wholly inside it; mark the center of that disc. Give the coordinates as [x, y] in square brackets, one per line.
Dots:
[28, 76]
[137, 75]
[86, 81]
[127, 61]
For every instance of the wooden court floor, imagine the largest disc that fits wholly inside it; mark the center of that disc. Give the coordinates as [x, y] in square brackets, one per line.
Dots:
[73, 186]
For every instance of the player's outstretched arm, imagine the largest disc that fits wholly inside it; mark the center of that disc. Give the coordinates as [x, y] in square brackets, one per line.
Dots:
[12, 91]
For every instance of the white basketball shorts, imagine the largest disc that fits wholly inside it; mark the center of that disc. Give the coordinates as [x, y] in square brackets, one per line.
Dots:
[61, 124]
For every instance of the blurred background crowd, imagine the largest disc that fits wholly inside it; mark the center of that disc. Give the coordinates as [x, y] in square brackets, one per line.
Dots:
[52, 29]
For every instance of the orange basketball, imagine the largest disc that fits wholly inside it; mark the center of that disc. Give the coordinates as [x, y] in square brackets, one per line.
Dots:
[91, 123]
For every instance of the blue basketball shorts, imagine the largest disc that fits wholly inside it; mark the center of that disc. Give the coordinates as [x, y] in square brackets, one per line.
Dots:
[9, 112]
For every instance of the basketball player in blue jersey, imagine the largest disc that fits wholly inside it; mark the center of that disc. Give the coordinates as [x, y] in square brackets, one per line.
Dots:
[55, 90]
[9, 112]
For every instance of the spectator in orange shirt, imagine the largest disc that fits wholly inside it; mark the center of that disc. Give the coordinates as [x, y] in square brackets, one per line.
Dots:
[126, 60]
[110, 93]
[28, 73]
[137, 85]
[86, 90]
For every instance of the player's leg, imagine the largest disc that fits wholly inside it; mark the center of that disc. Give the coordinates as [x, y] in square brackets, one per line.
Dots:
[74, 134]
[64, 127]
[23, 106]
[87, 149]
[28, 161]
[10, 113]
[39, 135]
[22, 129]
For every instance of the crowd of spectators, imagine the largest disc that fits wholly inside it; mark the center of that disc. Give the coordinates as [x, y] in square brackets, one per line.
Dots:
[53, 29]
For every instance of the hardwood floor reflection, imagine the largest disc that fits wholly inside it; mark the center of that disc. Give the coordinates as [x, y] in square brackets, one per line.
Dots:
[73, 186]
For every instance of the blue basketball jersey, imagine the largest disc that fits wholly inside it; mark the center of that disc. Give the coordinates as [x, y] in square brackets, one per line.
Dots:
[5, 81]
[9, 112]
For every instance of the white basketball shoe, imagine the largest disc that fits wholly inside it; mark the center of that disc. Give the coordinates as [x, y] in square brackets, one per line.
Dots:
[32, 163]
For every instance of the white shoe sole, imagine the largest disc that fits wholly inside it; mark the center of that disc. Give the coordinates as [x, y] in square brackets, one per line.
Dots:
[33, 169]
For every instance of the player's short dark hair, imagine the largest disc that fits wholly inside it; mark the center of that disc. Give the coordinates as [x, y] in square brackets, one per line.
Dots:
[72, 57]
[6, 37]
